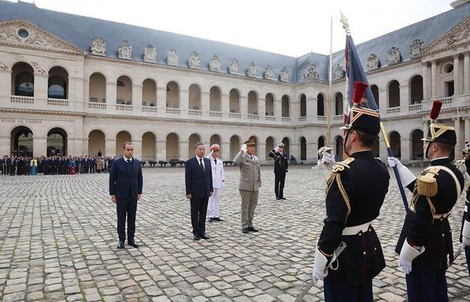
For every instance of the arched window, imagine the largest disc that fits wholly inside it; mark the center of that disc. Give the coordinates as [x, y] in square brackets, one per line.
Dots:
[57, 89]
[24, 84]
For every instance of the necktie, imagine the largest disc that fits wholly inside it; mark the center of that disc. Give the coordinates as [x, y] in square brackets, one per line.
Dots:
[200, 164]
[215, 161]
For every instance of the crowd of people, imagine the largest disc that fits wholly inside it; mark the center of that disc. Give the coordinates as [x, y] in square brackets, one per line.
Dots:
[54, 165]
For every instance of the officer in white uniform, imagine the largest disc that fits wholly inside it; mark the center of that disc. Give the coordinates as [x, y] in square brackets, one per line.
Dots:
[218, 181]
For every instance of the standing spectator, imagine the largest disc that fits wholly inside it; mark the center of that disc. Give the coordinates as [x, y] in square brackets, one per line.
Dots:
[465, 164]
[198, 180]
[355, 193]
[218, 181]
[34, 166]
[425, 243]
[280, 170]
[125, 188]
[250, 182]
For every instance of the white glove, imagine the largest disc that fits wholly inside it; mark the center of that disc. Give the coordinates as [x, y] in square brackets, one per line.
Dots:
[392, 162]
[466, 234]
[406, 176]
[407, 255]
[465, 242]
[276, 149]
[243, 148]
[319, 266]
[328, 158]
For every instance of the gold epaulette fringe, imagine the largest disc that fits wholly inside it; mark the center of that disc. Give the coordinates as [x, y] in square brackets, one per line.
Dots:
[427, 183]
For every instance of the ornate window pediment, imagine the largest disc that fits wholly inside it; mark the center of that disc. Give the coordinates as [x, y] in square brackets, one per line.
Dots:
[338, 72]
[416, 48]
[98, 47]
[194, 60]
[284, 75]
[251, 71]
[312, 72]
[234, 67]
[214, 64]
[394, 56]
[373, 62]
[173, 58]
[268, 73]
[125, 50]
[150, 54]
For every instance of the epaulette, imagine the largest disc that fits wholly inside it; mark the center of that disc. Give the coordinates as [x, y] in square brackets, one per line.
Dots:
[340, 166]
[427, 183]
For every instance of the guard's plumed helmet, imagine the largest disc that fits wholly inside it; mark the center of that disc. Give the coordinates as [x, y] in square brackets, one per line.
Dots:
[437, 132]
[363, 119]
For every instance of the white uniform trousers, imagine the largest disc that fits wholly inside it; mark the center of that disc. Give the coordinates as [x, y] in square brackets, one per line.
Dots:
[213, 207]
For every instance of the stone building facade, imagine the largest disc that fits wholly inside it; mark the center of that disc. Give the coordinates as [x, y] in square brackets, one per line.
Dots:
[73, 85]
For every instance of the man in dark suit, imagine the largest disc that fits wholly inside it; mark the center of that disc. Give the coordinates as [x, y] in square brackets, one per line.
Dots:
[280, 170]
[125, 188]
[198, 179]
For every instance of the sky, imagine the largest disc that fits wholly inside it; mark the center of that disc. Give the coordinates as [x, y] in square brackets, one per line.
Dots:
[293, 27]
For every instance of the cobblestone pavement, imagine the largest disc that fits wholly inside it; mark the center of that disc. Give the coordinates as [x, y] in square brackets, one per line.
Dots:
[58, 242]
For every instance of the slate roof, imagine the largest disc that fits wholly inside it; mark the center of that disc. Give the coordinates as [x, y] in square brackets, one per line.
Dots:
[80, 31]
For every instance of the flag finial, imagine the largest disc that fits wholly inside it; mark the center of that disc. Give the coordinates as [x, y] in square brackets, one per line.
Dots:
[344, 20]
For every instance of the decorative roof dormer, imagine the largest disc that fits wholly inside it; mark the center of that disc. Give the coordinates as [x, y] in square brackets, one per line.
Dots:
[312, 72]
[373, 62]
[194, 60]
[234, 67]
[394, 56]
[284, 75]
[125, 50]
[415, 48]
[173, 58]
[251, 71]
[268, 73]
[98, 47]
[338, 72]
[214, 64]
[150, 54]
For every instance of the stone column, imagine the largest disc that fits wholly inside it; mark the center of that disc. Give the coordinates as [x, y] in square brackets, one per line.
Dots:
[137, 98]
[205, 103]
[311, 152]
[457, 76]
[184, 102]
[110, 147]
[405, 149]
[160, 147]
[262, 108]
[225, 104]
[137, 148]
[40, 90]
[312, 111]
[183, 150]
[458, 146]
[111, 94]
[5, 90]
[161, 98]
[433, 80]
[425, 81]
[466, 73]
[5, 144]
[39, 145]
[261, 151]
[225, 150]
[467, 129]
[244, 106]
[278, 108]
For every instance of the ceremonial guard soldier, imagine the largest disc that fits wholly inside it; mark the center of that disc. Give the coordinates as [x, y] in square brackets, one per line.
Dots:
[425, 243]
[355, 192]
[280, 170]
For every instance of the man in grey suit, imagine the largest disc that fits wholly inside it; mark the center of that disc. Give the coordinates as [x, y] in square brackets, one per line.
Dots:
[250, 182]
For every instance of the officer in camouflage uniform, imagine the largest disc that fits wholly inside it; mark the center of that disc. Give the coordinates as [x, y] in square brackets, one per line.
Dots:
[425, 243]
[355, 193]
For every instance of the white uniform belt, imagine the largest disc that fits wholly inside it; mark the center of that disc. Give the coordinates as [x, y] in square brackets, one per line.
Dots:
[353, 230]
[439, 216]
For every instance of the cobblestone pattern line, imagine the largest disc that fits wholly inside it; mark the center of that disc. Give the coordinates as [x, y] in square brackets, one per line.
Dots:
[58, 242]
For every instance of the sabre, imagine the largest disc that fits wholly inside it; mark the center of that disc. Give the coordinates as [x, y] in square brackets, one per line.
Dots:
[337, 252]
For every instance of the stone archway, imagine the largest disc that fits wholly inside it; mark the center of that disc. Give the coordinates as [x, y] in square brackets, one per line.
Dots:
[21, 141]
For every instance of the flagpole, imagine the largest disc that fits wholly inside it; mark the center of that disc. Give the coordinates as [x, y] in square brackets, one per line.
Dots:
[330, 88]
[370, 96]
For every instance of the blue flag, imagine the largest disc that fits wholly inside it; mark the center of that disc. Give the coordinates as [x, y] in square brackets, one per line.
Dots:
[355, 73]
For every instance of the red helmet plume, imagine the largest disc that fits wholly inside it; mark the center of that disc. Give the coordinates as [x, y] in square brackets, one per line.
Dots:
[359, 89]
[436, 108]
